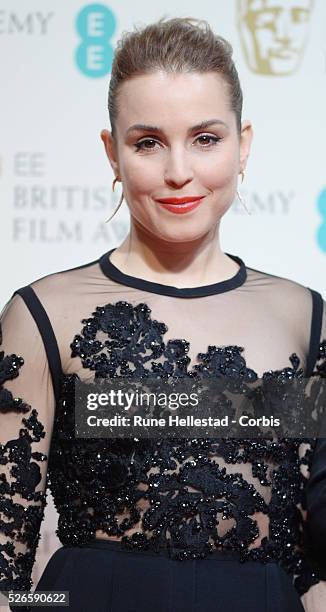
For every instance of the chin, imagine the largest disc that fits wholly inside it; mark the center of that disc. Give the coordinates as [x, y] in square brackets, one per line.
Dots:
[180, 236]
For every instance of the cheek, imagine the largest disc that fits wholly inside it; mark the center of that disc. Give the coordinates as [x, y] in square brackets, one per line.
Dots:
[265, 39]
[141, 175]
[219, 172]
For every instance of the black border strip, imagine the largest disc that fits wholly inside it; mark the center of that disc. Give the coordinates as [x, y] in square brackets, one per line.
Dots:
[42, 321]
[315, 331]
[111, 271]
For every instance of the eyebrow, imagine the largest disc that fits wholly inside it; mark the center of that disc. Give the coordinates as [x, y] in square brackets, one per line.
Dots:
[138, 127]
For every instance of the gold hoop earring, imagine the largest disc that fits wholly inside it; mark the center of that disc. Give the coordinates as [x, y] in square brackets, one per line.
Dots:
[117, 178]
[240, 196]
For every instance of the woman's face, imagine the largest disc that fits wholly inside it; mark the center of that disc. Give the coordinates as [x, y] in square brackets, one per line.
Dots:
[176, 137]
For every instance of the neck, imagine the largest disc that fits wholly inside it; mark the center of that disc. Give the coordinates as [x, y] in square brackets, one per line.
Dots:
[180, 264]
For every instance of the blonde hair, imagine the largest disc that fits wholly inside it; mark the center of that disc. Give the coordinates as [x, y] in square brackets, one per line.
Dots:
[177, 45]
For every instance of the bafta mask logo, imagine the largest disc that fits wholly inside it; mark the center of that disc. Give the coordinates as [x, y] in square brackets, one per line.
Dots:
[273, 34]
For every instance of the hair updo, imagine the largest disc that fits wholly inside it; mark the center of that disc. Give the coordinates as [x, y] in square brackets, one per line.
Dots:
[178, 45]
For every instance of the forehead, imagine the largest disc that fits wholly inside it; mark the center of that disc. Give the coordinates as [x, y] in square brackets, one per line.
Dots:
[160, 97]
[258, 5]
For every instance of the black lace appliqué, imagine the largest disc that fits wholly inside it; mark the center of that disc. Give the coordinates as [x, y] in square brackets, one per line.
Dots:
[19, 476]
[199, 494]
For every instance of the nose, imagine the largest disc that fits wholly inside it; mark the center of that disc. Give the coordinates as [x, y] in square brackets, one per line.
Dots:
[283, 27]
[178, 170]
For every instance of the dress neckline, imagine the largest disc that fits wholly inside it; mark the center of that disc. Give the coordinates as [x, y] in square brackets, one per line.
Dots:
[111, 271]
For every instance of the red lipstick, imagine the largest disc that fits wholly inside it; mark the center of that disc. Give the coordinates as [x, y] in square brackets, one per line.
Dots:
[181, 205]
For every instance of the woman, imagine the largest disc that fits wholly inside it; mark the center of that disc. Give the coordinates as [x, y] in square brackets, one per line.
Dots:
[189, 524]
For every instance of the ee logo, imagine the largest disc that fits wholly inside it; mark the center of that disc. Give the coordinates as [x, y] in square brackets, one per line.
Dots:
[95, 25]
[321, 233]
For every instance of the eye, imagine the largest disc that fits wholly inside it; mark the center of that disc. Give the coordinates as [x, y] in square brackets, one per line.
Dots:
[140, 145]
[208, 140]
[148, 144]
[299, 15]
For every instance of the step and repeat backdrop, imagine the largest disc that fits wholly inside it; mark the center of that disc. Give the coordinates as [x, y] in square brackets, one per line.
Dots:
[55, 179]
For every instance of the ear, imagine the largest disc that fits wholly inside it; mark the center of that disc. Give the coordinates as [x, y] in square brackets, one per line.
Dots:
[245, 143]
[110, 149]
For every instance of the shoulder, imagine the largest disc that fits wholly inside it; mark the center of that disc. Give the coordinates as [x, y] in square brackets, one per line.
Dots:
[297, 308]
[55, 295]
[57, 288]
[281, 290]
[57, 303]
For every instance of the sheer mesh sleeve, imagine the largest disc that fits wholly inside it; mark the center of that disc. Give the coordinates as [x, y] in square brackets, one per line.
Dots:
[316, 486]
[26, 420]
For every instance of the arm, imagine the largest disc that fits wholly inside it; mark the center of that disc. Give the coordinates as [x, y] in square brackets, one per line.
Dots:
[316, 485]
[26, 419]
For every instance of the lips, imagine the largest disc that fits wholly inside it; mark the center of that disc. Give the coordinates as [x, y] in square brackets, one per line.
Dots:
[283, 53]
[180, 206]
[184, 200]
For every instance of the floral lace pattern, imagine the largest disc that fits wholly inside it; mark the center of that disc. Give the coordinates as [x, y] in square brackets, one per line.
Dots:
[20, 519]
[189, 496]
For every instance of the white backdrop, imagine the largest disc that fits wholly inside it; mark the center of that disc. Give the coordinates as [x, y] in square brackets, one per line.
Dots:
[55, 179]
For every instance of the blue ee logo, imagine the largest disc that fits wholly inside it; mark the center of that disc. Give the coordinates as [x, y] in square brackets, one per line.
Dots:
[321, 233]
[95, 25]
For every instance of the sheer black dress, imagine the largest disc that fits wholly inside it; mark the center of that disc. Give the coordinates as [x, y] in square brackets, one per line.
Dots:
[195, 524]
